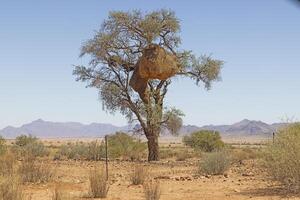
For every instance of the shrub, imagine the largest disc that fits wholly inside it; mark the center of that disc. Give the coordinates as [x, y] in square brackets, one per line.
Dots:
[33, 171]
[125, 146]
[139, 175]
[152, 190]
[96, 151]
[24, 140]
[206, 141]
[10, 189]
[165, 153]
[215, 163]
[282, 158]
[239, 155]
[73, 151]
[2, 145]
[90, 151]
[98, 183]
[29, 145]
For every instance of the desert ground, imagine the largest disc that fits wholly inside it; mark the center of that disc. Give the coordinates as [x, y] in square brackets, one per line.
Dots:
[178, 180]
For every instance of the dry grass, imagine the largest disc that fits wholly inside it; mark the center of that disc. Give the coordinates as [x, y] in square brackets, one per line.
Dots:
[33, 171]
[99, 185]
[59, 194]
[215, 163]
[7, 166]
[10, 189]
[152, 190]
[139, 175]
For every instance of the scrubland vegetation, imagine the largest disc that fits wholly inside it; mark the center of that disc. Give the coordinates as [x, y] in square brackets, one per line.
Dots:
[282, 157]
[29, 161]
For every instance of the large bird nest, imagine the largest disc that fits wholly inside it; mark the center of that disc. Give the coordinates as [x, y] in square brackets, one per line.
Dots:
[155, 63]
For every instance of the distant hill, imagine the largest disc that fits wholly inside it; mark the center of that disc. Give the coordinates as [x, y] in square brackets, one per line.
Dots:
[243, 128]
[47, 129]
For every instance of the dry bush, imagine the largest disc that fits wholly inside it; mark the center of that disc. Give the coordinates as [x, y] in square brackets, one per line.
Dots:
[239, 155]
[165, 153]
[33, 171]
[10, 189]
[152, 190]
[7, 166]
[99, 185]
[139, 175]
[3, 146]
[215, 163]
[185, 154]
[282, 158]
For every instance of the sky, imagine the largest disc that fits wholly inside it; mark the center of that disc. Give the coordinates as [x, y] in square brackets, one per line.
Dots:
[259, 41]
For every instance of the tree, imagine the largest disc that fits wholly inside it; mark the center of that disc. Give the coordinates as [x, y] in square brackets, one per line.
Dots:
[114, 52]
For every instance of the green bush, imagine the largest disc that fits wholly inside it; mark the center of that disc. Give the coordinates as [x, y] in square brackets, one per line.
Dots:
[29, 145]
[2, 145]
[24, 140]
[282, 158]
[215, 163]
[82, 151]
[120, 145]
[125, 146]
[204, 140]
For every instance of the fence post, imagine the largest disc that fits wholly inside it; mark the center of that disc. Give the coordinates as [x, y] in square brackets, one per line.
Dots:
[106, 157]
[273, 137]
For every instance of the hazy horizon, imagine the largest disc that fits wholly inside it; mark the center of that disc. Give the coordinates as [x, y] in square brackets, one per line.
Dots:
[258, 40]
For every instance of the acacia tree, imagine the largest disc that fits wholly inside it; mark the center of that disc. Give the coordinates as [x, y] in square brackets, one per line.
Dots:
[114, 52]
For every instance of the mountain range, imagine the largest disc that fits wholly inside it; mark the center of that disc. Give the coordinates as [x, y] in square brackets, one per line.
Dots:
[47, 129]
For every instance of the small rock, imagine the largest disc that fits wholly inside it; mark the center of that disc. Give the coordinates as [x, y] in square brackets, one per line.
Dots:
[237, 190]
[208, 176]
[163, 177]
[248, 174]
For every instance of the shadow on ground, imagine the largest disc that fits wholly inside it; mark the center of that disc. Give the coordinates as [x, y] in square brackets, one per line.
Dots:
[274, 191]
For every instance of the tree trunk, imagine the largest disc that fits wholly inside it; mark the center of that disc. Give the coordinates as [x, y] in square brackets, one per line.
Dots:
[153, 148]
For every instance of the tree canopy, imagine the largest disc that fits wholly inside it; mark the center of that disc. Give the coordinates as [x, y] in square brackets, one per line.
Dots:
[114, 52]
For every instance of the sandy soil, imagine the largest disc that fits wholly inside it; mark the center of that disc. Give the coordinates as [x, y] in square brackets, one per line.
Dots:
[178, 180]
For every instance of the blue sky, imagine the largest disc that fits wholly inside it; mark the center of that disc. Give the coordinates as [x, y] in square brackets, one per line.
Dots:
[258, 40]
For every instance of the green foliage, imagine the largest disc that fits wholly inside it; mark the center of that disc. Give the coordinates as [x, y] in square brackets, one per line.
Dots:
[3, 147]
[120, 145]
[114, 52]
[29, 145]
[24, 140]
[205, 140]
[215, 163]
[125, 146]
[173, 120]
[282, 158]
[82, 151]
